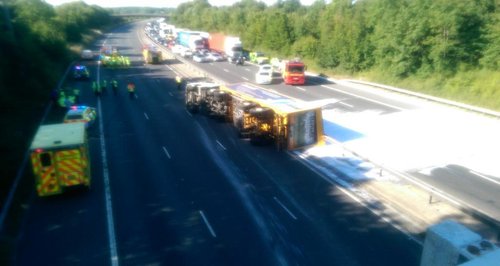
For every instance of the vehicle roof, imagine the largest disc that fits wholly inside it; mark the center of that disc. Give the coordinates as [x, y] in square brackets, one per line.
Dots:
[77, 110]
[280, 103]
[80, 67]
[59, 136]
[203, 84]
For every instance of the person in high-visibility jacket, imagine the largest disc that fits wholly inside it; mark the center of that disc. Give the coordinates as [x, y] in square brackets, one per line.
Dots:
[96, 88]
[104, 86]
[62, 99]
[114, 86]
[178, 80]
[131, 89]
[76, 94]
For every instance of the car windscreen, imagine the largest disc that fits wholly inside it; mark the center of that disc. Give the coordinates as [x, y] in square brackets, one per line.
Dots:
[296, 69]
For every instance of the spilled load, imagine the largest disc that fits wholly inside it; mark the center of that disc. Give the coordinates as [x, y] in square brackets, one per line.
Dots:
[262, 116]
[152, 55]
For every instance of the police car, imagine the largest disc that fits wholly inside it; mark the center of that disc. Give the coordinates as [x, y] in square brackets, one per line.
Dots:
[81, 113]
[81, 72]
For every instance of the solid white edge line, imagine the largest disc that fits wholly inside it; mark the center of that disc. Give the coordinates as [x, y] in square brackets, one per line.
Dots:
[220, 144]
[352, 195]
[299, 88]
[285, 208]
[10, 196]
[364, 98]
[345, 104]
[146, 115]
[107, 188]
[166, 152]
[212, 232]
[485, 177]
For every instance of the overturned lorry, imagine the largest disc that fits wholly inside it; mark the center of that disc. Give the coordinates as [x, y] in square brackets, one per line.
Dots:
[260, 115]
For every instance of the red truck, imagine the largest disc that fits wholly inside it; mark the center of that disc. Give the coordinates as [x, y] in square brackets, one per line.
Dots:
[293, 72]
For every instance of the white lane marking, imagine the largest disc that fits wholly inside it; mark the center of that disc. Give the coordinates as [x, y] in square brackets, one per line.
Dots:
[364, 98]
[299, 88]
[189, 113]
[285, 208]
[107, 188]
[220, 144]
[146, 115]
[244, 78]
[352, 195]
[136, 96]
[271, 90]
[208, 224]
[485, 177]
[348, 105]
[169, 93]
[166, 152]
[158, 81]
[225, 70]
[248, 69]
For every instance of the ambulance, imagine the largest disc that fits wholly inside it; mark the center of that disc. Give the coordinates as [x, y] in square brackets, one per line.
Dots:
[60, 158]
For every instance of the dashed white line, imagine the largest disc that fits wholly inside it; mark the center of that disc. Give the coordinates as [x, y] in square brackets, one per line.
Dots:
[285, 208]
[208, 224]
[220, 144]
[146, 115]
[226, 70]
[169, 93]
[348, 105]
[299, 88]
[166, 152]
[485, 177]
[107, 187]
[136, 96]
[364, 98]
[247, 69]
[244, 78]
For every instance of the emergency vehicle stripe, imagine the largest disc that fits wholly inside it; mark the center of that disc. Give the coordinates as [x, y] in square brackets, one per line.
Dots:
[44, 176]
[47, 184]
[36, 163]
[69, 167]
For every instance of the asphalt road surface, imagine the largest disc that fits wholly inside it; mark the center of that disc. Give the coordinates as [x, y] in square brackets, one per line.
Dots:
[184, 190]
[477, 191]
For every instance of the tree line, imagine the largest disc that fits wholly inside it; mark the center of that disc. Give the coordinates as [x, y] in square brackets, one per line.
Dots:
[36, 41]
[446, 47]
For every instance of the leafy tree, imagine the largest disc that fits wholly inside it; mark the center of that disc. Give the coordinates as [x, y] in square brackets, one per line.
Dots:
[277, 36]
[491, 53]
